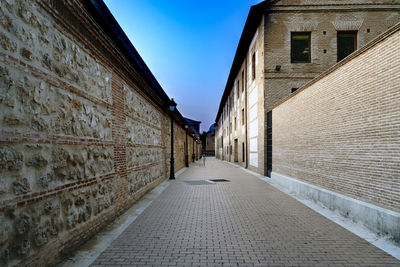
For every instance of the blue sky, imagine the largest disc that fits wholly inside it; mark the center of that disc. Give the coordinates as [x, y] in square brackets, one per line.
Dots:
[188, 45]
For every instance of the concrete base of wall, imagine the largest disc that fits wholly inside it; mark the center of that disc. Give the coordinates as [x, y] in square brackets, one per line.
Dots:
[379, 220]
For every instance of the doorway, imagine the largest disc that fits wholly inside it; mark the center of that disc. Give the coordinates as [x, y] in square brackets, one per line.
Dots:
[243, 156]
[235, 151]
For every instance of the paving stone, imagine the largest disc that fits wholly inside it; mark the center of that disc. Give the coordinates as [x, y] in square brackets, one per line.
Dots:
[244, 222]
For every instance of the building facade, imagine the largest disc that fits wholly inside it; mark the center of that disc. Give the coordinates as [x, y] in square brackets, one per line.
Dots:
[284, 45]
[208, 141]
[85, 128]
[312, 101]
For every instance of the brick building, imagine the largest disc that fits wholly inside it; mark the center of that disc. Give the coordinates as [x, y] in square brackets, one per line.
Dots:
[194, 125]
[208, 141]
[335, 140]
[285, 44]
[85, 128]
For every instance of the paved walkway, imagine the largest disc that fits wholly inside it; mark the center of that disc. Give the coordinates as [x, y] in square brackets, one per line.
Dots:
[243, 222]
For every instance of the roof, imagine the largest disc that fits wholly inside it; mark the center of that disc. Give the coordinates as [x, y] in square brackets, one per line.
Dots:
[194, 126]
[191, 121]
[253, 20]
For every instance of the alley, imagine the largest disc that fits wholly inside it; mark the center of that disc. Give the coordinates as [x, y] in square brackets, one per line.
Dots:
[243, 221]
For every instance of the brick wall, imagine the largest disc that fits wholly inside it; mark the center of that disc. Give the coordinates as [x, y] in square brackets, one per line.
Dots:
[80, 139]
[342, 132]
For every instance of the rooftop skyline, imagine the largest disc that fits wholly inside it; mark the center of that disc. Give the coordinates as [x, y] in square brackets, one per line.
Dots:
[189, 47]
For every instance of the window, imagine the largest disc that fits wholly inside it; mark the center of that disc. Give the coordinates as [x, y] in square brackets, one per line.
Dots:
[242, 81]
[253, 66]
[346, 44]
[300, 47]
[294, 89]
[242, 116]
[237, 88]
[242, 152]
[235, 124]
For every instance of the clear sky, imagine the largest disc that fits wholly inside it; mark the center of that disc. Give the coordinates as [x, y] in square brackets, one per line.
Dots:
[188, 45]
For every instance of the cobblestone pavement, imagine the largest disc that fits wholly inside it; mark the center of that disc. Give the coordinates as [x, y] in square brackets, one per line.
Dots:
[244, 222]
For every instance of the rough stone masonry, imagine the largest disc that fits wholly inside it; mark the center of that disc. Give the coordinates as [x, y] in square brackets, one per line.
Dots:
[84, 127]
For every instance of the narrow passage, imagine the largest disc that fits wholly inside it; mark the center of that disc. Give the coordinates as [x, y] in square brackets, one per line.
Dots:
[241, 222]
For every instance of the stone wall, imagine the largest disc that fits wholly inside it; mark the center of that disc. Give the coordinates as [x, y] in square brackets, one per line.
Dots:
[80, 139]
[342, 131]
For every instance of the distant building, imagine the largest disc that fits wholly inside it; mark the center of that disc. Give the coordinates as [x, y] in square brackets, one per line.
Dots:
[196, 146]
[194, 124]
[208, 141]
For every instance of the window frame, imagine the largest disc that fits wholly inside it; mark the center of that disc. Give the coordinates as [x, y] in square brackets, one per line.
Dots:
[291, 46]
[355, 42]
[253, 66]
[242, 81]
[238, 88]
[243, 152]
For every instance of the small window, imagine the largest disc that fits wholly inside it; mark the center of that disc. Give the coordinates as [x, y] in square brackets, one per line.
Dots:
[242, 116]
[301, 47]
[235, 124]
[346, 44]
[242, 81]
[237, 88]
[294, 89]
[242, 152]
[253, 66]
